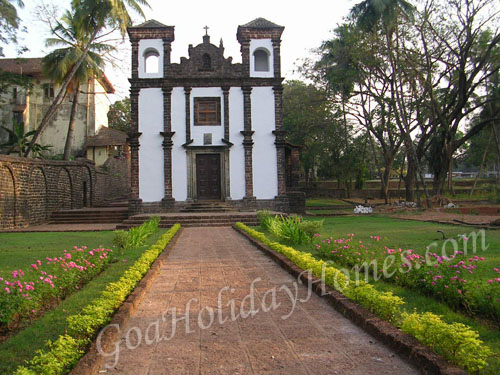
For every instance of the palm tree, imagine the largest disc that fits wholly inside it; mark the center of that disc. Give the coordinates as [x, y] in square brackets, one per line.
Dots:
[93, 16]
[57, 64]
[369, 13]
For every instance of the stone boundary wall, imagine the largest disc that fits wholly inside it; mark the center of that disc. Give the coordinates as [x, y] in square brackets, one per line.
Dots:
[31, 189]
[112, 180]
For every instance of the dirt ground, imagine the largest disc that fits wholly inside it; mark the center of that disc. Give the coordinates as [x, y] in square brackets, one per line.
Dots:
[447, 217]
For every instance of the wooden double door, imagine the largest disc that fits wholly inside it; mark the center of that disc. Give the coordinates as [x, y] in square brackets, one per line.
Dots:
[208, 176]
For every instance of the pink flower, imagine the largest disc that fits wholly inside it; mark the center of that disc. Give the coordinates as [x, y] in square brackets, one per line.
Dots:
[7, 290]
[490, 281]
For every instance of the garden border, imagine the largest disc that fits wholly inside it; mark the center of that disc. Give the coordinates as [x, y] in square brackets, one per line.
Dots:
[403, 344]
[90, 363]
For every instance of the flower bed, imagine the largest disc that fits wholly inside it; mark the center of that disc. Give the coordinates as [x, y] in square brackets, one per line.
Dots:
[63, 354]
[28, 292]
[456, 342]
[443, 277]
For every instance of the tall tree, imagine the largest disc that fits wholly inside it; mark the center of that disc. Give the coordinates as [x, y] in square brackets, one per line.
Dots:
[93, 16]
[459, 54]
[119, 115]
[9, 21]
[73, 38]
[306, 117]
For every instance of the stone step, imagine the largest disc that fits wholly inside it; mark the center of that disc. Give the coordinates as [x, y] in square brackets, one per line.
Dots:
[193, 220]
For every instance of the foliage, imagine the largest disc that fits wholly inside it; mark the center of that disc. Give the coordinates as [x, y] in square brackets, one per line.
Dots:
[60, 357]
[119, 115]
[94, 17]
[19, 141]
[444, 277]
[9, 21]
[452, 341]
[457, 342]
[135, 236]
[289, 228]
[311, 228]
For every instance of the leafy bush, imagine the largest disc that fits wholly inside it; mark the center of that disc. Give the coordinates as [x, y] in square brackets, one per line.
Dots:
[265, 219]
[291, 229]
[62, 355]
[456, 342]
[135, 236]
[311, 227]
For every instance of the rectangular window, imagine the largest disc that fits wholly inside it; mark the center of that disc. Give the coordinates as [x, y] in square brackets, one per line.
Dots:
[48, 90]
[207, 111]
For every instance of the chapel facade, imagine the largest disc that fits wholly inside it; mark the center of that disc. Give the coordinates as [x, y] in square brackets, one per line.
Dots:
[207, 129]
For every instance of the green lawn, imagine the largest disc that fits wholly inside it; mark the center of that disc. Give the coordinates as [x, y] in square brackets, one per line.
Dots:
[19, 250]
[23, 346]
[418, 235]
[317, 202]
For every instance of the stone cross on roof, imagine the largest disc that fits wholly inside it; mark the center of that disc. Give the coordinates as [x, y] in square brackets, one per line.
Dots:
[206, 30]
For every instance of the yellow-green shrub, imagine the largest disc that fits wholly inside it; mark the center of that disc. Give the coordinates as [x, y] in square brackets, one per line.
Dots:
[456, 342]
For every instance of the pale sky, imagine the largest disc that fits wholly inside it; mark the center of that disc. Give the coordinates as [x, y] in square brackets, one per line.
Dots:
[307, 24]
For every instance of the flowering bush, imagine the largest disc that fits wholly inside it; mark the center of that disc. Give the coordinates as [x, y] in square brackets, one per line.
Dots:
[443, 277]
[27, 292]
[363, 210]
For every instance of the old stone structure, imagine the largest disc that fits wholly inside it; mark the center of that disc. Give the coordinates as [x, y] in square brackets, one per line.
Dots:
[207, 128]
[30, 106]
[30, 190]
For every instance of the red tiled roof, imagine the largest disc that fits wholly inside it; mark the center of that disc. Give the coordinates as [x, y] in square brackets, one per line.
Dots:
[107, 137]
[33, 67]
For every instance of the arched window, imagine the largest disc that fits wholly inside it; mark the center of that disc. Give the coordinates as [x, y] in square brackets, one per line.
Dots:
[206, 61]
[151, 61]
[261, 60]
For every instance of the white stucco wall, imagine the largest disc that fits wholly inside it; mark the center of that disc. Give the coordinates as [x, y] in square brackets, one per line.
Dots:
[151, 177]
[236, 153]
[179, 159]
[102, 104]
[197, 131]
[264, 44]
[144, 45]
[265, 175]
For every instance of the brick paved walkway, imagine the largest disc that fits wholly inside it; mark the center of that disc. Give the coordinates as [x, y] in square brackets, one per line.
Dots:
[314, 339]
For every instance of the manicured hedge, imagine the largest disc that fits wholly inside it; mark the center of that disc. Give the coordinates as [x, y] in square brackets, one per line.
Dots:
[456, 342]
[63, 354]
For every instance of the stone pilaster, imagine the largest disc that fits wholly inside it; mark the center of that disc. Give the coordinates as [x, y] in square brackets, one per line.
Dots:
[134, 201]
[135, 58]
[187, 93]
[245, 57]
[134, 143]
[225, 92]
[280, 139]
[167, 49]
[249, 198]
[277, 57]
[167, 201]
